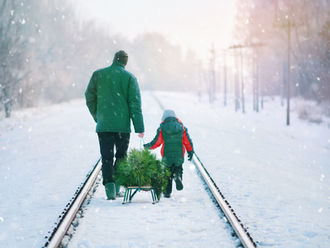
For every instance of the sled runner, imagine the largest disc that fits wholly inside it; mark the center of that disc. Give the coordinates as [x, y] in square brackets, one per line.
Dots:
[132, 190]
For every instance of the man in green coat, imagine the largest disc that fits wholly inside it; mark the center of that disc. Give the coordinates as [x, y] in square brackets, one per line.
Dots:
[113, 99]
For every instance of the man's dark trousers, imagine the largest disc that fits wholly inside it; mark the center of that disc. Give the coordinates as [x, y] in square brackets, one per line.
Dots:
[108, 141]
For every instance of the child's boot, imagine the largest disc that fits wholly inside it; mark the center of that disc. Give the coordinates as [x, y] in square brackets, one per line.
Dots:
[178, 182]
[168, 190]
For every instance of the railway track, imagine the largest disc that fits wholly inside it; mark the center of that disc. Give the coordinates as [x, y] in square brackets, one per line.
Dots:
[215, 193]
[65, 219]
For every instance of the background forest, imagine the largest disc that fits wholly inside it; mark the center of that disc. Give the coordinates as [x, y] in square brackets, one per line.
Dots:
[48, 55]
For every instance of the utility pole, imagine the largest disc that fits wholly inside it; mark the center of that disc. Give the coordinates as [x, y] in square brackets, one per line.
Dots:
[256, 73]
[200, 80]
[288, 76]
[256, 77]
[237, 77]
[212, 87]
[261, 91]
[224, 78]
[236, 86]
[257, 83]
[284, 73]
[242, 81]
[287, 24]
[254, 81]
[237, 74]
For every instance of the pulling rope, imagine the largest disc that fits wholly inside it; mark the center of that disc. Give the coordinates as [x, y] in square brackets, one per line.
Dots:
[141, 143]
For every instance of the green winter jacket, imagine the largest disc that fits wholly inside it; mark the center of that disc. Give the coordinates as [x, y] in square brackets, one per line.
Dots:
[174, 138]
[113, 99]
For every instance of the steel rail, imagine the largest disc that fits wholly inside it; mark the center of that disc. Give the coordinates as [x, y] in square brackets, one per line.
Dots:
[224, 205]
[235, 222]
[69, 213]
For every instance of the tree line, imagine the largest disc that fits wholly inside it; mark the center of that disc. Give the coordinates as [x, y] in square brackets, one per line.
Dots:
[48, 55]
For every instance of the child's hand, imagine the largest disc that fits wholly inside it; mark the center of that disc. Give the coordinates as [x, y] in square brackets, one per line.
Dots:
[141, 135]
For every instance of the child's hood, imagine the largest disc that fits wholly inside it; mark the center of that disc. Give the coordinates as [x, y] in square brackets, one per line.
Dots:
[171, 126]
[168, 113]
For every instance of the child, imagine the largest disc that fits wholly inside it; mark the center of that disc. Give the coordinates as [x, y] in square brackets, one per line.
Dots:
[174, 138]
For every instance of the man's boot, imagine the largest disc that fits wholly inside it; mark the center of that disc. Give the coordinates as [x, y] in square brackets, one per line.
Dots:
[110, 190]
[118, 190]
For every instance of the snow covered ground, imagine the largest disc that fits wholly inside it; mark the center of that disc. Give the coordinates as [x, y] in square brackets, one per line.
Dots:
[187, 219]
[45, 154]
[275, 177]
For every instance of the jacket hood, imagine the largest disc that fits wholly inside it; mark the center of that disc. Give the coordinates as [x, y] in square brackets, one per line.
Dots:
[168, 113]
[171, 126]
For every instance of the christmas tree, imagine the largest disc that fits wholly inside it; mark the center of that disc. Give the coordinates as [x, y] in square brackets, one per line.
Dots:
[142, 168]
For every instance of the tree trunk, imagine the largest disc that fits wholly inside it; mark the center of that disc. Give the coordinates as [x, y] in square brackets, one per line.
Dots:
[7, 106]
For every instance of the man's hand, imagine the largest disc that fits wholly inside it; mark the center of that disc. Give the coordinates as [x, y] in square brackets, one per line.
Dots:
[190, 155]
[141, 135]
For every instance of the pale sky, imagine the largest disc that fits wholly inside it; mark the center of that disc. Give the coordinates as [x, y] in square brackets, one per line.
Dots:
[194, 24]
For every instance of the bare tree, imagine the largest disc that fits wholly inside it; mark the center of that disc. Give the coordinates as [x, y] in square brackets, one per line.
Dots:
[11, 53]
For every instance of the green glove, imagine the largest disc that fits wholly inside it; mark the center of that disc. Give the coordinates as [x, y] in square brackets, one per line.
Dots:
[190, 155]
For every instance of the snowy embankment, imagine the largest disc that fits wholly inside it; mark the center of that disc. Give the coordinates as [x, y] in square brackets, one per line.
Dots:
[45, 154]
[275, 177]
